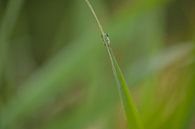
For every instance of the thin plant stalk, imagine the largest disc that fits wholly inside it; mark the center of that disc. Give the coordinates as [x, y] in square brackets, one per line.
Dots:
[130, 109]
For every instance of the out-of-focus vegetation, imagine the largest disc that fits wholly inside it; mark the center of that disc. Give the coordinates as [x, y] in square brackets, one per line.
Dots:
[55, 73]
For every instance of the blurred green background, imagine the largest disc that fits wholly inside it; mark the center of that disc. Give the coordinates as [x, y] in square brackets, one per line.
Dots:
[55, 72]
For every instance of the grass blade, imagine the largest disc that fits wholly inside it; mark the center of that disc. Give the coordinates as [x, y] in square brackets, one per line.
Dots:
[131, 112]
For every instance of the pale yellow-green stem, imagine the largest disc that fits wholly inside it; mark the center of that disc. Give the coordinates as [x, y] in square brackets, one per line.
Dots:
[131, 112]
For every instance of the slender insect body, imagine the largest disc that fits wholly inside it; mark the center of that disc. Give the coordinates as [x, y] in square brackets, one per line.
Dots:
[106, 39]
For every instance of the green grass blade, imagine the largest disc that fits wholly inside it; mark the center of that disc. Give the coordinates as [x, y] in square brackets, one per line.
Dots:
[131, 112]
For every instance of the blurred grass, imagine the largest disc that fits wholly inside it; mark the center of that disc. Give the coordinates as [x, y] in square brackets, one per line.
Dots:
[50, 54]
[8, 22]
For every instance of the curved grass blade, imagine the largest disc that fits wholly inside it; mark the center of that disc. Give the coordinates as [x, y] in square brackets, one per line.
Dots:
[131, 112]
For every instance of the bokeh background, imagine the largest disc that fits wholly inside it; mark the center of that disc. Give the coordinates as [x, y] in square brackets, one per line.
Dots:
[55, 72]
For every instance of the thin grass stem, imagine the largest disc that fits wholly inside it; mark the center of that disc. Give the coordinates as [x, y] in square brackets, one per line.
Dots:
[131, 112]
